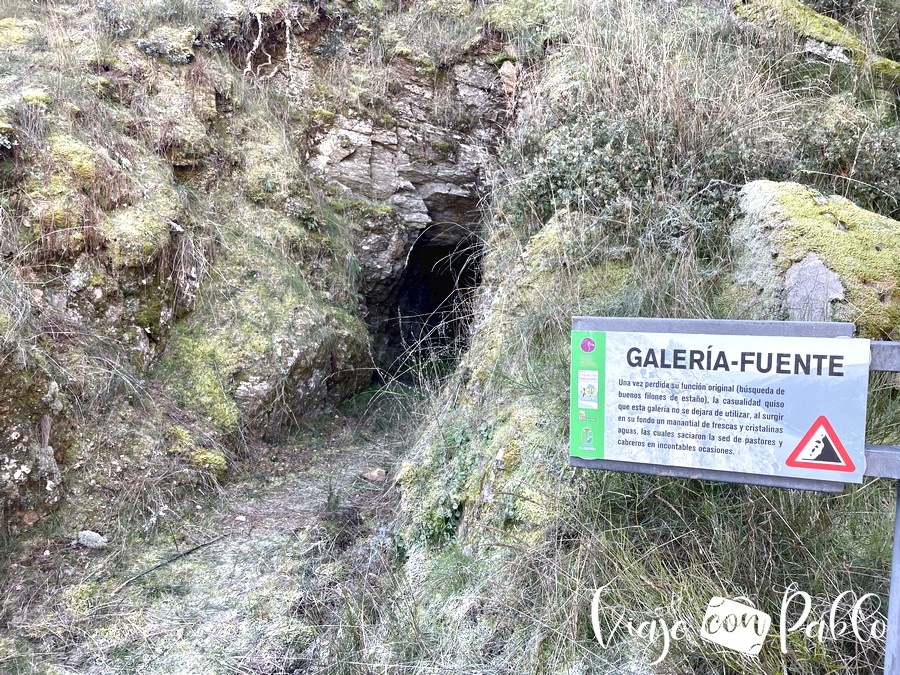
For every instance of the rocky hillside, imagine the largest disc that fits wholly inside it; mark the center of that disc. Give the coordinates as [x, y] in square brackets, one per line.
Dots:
[678, 162]
[220, 219]
[212, 216]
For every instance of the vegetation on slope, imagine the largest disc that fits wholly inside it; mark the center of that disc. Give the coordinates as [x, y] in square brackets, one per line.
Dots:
[170, 268]
[618, 199]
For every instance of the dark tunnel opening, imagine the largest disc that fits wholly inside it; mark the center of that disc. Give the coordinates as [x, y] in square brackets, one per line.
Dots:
[433, 307]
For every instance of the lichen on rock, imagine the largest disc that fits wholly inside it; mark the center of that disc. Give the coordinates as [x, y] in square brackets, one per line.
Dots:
[13, 31]
[175, 45]
[809, 23]
[784, 224]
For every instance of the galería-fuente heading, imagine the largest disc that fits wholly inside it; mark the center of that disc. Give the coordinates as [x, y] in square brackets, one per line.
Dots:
[780, 363]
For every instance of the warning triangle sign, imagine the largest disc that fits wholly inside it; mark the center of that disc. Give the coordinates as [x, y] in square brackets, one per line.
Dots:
[820, 448]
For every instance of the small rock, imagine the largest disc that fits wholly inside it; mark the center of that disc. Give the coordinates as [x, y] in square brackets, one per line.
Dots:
[509, 77]
[90, 539]
[29, 518]
[375, 475]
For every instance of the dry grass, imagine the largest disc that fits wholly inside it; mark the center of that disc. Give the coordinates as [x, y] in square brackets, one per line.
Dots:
[505, 545]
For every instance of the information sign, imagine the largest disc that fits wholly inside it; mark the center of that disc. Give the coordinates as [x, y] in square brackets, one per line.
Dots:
[752, 404]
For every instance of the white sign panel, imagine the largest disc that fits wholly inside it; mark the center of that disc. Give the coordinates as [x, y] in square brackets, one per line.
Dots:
[781, 406]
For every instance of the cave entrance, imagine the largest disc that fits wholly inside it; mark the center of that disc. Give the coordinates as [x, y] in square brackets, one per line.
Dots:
[434, 302]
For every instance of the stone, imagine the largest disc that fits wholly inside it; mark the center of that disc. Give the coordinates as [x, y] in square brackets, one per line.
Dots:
[509, 77]
[376, 475]
[810, 288]
[409, 166]
[804, 255]
[824, 36]
[175, 45]
[90, 539]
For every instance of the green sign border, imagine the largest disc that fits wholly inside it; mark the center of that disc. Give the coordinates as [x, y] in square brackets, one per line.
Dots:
[587, 422]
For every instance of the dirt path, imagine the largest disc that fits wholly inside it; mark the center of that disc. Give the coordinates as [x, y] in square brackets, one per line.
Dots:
[296, 527]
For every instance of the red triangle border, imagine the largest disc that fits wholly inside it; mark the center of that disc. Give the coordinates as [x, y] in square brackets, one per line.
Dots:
[821, 422]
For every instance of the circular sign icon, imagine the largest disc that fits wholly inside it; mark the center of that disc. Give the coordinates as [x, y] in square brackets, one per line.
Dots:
[587, 345]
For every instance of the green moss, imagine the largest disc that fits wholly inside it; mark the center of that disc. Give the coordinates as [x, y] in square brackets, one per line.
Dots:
[446, 148]
[809, 23]
[862, 247]
[181, 438]
[801, 18]
[887, 71]
[501, 57]
[80, 598]
[37, 97]
[449, 8]
[135, 236]
[14, 32]
[271, 173]
[55, 206]
[102, 86]
[196, 368]
[210, 461]
[323, 116]
[386, 120]
[74, 156]
[362, 208]
[149, 313]
[268, 345]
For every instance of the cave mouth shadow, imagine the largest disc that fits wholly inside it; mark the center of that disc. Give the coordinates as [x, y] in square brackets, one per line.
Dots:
[434, 304]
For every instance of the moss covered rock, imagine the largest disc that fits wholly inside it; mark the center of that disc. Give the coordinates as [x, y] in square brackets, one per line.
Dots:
[267, 349]
[804, 255]
[13, 32]
[174, 44]
[136, 235]
[210, 460]
[810, 24]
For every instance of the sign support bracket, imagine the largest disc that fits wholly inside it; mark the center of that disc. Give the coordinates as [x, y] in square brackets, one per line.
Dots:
[892, 644]
[883, 461]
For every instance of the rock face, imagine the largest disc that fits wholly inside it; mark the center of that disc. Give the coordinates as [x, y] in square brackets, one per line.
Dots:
[163, 239]
[429, 164]
[430, 174]
[805, 256]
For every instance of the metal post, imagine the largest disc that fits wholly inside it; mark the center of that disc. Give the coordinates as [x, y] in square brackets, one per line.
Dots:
[892, 639]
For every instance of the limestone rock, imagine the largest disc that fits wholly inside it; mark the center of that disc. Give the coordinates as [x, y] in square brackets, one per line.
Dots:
[810, 288]
[429, 173]
[176, 45]
[429, 165]
[509, 76]
[376, 475]
[802, 255]
[90, 539]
